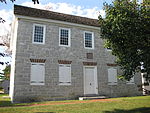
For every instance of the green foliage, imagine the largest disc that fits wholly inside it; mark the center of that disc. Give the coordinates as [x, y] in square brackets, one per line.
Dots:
[2, 77]
[127, 30]
[147, 2]
[7, 72]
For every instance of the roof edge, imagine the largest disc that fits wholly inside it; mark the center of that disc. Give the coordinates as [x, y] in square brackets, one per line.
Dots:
[40, 13]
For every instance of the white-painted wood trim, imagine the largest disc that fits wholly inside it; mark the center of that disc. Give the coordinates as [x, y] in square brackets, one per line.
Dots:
[62, 84]
[44, 32]
[37, 83]
[92, 40]
[12, 77]
[69, 38]
[57, 22]
[95, 78]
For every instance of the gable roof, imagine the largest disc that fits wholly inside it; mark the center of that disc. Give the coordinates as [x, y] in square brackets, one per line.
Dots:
[38, 13]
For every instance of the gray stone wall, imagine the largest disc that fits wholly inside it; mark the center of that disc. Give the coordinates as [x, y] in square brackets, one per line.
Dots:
[52, 52]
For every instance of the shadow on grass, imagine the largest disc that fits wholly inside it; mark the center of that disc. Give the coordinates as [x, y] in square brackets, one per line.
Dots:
[9, 104]
[44, 112]
[137, 110]
[5, 103]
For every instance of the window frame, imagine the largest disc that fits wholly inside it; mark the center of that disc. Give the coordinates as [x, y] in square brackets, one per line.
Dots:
[64, 83]
[92, 40]
[44, 32]
[31, 74]
[69, 36]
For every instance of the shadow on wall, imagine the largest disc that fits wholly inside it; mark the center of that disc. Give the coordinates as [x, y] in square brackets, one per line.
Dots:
[137, 110]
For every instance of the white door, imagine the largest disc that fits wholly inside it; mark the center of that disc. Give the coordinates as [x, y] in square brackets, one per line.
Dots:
[90, 80]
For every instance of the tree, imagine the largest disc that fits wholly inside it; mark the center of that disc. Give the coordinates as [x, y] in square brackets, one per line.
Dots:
[7, 72]
[5, 42]
[35, 1]
[126, 29]
[6, 39]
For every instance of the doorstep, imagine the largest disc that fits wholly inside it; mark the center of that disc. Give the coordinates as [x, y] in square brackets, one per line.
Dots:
[92, 97]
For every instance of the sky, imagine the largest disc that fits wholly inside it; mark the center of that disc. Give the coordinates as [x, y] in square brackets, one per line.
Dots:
[85, 8]
[85, 3]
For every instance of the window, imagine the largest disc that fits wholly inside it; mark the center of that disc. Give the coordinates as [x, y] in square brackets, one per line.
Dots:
[38, 34]
[64, 74]
[131, 81]
[88, 40]
[112, 76]
[64, 37]
[37, 74]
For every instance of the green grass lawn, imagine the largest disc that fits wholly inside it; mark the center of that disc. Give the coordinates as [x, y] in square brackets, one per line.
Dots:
[139, 104]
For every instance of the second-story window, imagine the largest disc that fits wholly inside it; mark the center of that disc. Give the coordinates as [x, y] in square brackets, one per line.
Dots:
[88, 40]
[38, 34]
[64, 37]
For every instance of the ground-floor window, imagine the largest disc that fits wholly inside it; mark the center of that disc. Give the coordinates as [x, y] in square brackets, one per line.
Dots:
[37, 73]
[112, 76]
[64, 74]
[131, 81]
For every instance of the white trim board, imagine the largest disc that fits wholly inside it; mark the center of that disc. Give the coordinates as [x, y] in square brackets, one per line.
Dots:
[56, 21]
[44, 32]
[69, 36]
[93, 45]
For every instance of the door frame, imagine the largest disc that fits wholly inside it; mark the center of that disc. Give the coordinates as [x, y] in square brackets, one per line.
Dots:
[95, 79]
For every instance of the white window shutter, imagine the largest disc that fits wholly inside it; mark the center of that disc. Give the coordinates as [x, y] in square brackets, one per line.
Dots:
[33, 73]
[64, 74]
[112, 76]
[37, 73]
[61, 74]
